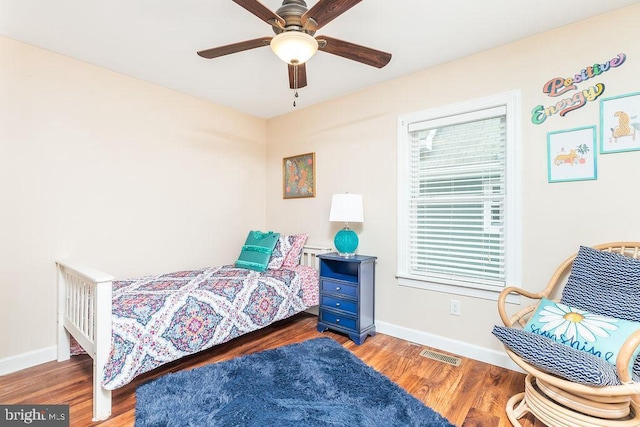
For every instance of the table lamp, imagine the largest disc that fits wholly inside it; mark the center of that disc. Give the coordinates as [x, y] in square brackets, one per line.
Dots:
[346, 208]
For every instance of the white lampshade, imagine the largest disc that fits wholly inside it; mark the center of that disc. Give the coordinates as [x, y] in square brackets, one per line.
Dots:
[346, 208]
[294, 47]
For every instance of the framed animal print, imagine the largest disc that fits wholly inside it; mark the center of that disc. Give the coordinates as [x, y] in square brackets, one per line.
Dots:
[620, 123]
[571, 154]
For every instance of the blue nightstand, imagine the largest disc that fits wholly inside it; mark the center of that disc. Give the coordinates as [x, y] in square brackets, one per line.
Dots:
[347, 288]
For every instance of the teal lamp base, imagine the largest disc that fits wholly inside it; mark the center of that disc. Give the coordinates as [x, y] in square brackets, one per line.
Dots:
[346, 242]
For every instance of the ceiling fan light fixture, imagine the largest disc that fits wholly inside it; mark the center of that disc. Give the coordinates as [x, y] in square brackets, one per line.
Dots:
[294, 47]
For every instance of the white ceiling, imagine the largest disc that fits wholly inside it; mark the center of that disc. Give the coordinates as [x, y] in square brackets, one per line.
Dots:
[157, 40]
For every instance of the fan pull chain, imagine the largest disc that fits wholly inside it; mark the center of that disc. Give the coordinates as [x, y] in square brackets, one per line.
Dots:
[295, 83]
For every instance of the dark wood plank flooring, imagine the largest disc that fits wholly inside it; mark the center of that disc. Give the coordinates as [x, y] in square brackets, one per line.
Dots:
[472, 394]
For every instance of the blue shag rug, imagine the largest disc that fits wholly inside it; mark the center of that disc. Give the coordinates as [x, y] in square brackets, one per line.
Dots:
[313, 383]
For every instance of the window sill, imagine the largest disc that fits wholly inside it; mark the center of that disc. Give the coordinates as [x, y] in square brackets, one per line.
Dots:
[457, 289]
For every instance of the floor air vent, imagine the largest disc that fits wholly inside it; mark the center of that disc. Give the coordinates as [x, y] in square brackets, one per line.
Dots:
[451, 360]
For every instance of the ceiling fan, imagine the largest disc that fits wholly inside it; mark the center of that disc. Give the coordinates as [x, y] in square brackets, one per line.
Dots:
[295, 25]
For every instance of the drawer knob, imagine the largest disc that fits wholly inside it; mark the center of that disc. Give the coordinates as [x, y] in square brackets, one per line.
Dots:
[338, 288]
[337, 320]
[337, 304]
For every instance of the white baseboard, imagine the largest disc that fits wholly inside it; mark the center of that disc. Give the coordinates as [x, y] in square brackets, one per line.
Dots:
[16, 363]
[493, 357]
[483, 354]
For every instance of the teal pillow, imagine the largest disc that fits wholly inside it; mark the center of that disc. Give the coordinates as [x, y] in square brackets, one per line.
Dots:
[599, 335]
[257, 250]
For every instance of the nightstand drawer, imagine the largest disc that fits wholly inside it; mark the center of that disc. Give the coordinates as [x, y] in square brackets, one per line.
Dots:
[339, 288]
[338, 320]
[338, 304]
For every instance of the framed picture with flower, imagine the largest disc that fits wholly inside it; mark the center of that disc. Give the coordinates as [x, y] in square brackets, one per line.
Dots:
[299, 176]
[571, 154]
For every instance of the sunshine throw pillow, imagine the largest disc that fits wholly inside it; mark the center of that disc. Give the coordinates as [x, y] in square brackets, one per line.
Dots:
[599, 335]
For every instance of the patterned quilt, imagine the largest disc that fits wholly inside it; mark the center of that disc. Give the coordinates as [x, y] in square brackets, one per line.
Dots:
[158, 319]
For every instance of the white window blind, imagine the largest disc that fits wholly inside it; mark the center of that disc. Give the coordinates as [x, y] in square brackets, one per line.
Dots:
[457, 208]
[456, 203]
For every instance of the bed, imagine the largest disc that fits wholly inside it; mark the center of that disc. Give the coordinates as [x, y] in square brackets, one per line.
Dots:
[130, 327]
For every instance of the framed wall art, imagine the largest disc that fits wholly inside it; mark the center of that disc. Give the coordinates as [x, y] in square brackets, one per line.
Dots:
[299, 176]
[620, 123]
[571, 154]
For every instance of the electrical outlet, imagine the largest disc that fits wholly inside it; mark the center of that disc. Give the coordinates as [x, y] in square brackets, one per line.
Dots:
[455, 307]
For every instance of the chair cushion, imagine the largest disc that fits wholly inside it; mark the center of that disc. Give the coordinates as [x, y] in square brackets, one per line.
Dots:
[596, 334]
[557, 359]
[604, 283]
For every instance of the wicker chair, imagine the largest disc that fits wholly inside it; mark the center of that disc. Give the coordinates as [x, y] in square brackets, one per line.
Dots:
[558, 402]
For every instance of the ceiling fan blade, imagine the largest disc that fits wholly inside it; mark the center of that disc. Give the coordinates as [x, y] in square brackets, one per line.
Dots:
[261, 11]
[301, 71]
[365, 55]
[234, 47]
[326, 11]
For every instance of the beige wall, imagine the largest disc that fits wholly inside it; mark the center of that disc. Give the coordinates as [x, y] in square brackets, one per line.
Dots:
[355, 140]
[125, 176]
[134, 179]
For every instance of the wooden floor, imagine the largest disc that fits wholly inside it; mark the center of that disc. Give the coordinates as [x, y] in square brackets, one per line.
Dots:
[472, 394]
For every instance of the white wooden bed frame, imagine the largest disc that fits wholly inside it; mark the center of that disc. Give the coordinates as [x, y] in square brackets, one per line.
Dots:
[84, 312]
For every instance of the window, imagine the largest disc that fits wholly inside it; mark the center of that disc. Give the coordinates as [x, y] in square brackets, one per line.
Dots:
[458, 180]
